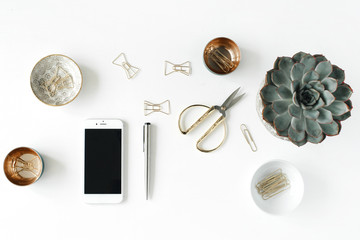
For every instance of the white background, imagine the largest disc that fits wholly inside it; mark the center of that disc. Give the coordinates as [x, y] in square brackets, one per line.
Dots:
[195, 195]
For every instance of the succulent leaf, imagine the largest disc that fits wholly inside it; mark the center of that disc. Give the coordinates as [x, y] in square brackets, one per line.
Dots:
[343, 117]
[283, 133]
[286, 64]
[338, 108]
[295, 86]
[309, 62]
[325, 116]
[282, 122]
[295, 101]
[310, 76]
[269, 93]
[330, 84]
[284, 92]
[320, 103]
[313, 128]
[324, 69]
[343, 92]
[296, 136]
[319, 58]
[279, 78]
[297, 71]
[295, 111]
[327, 97]
[298, 124]
[281, 106]
[318, 139]
[338, 74]
[298, 56]
[301, 143]
[317, 85]
[276, 63]
[268, 114]
[331, 129]
[268, 76]
[311, 114]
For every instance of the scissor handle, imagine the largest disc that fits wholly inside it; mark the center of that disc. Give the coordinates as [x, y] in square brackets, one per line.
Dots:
[202, 118]
[208, 132]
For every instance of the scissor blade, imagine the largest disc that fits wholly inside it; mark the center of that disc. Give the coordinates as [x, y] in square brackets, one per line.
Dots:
[233, 102]
[229, 100]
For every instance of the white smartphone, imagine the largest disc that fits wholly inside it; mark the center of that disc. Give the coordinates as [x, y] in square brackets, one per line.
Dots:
[103, 168]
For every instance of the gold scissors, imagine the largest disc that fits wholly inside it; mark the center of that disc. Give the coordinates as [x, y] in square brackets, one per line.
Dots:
[229, 102]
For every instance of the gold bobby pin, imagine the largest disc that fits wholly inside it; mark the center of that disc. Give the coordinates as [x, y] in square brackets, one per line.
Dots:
[184, 68]
[273, 184]
[150, 107]
[248, 137]
[130, 70]
[223, 62]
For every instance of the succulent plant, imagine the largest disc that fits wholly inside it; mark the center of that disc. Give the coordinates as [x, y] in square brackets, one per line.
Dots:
[305, 98]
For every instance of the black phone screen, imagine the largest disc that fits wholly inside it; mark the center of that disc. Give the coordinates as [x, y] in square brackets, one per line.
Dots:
[103, 161]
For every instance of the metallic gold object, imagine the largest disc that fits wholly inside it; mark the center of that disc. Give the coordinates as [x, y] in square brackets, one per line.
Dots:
[248, 137]
[229, 102]
[222, 55]
[23, 166]
[56, 80]
[130, 70]
[208, 132]
[273, 184]
[150, 107]
[184, 68]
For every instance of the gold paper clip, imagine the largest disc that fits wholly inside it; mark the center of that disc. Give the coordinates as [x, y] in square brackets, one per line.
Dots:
[248, 137]
[184, 68]
[60, 80]
[220, 59]
[130, 70]
[163, 107]
[273, 184]
[25, 166]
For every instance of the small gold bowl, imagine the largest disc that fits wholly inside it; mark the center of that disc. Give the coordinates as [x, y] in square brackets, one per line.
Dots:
[221, 55]
[56, 80]
[23, 166]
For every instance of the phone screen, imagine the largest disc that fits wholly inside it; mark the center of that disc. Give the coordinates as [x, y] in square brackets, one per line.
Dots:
[103, 161]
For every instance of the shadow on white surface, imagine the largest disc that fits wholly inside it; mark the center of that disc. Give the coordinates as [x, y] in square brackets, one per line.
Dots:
[90, 85]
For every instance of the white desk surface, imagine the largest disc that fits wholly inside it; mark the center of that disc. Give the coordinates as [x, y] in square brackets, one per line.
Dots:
[195, 195]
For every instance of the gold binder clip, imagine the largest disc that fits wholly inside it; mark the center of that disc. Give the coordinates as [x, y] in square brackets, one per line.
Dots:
[163, 107]
[223, 62]
[130, 70]
[248, 137]
[184, 68]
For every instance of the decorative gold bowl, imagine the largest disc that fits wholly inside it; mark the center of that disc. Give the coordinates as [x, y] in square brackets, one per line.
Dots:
[221, 55]
[23, 166]
[56, 80]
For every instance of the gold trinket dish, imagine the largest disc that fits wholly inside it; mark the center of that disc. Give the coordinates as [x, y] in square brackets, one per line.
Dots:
[23, 166]
[56, 80]
[221, 55]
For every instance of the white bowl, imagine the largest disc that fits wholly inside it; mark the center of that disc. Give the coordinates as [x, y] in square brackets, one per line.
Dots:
[286, 201]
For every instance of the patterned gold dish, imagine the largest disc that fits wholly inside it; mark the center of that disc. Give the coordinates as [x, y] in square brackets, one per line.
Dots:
[56, 80]
[221, 55]
[23, 166]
